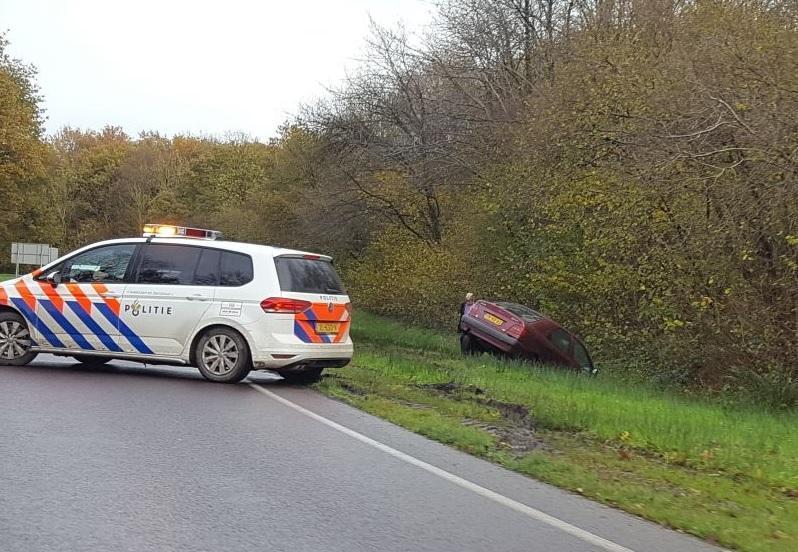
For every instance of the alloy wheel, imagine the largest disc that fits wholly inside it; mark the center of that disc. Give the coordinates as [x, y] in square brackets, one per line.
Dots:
[220, 354]
[14, 340]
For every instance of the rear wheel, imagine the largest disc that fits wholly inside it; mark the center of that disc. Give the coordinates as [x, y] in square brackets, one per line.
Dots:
[469, 345]
[91, 360]
[223, 356]
[15, 340]
[303, 377]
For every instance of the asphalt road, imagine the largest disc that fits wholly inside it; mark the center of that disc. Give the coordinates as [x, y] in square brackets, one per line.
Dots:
[127, 457]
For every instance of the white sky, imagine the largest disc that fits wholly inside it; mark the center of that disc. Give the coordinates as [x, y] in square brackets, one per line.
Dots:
[181, 66]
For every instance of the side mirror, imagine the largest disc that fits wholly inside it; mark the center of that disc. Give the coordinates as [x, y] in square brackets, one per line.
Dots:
[54, 278]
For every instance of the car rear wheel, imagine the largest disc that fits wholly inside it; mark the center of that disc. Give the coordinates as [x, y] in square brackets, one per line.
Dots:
[91, 360]
[222, 356]
[303, 377]
[15, 340]
[469, 345]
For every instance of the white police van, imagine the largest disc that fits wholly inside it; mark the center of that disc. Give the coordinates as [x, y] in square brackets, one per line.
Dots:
[182, 296]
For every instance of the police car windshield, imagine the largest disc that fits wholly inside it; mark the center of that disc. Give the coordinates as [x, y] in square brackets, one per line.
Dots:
[302, 275]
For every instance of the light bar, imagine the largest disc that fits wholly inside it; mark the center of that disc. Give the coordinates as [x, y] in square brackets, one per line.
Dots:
[172, 231]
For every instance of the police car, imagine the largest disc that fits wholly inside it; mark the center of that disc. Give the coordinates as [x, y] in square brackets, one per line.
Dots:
[181, 296]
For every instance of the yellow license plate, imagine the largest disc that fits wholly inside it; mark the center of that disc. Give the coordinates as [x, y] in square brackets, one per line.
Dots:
[493, 319]
[327, 327]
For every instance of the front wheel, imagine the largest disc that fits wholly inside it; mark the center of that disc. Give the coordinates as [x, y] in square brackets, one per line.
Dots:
[591, 371]
[223, 356]
[15, 340]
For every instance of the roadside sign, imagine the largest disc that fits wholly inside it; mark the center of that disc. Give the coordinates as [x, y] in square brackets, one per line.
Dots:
[37, 254]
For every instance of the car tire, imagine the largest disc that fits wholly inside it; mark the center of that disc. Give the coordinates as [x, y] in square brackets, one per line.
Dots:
[304, 377]
[15, 340]
[469, 345]
[529, 358]
[91, 360]
[222, 356]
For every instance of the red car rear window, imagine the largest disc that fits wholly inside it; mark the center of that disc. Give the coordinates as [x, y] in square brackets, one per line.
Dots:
[520, 310]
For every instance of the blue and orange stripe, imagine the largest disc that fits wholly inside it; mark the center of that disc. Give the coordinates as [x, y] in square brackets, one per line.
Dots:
[40, 326]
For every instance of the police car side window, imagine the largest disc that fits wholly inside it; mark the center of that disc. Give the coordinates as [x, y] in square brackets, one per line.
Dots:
[104, 264]
[236, 269]
[207, 273]
[168, 264]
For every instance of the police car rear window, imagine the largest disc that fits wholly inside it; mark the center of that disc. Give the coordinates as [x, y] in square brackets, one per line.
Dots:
[307, 276]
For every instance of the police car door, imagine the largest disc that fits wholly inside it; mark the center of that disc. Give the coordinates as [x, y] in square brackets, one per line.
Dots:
[81, 312]
[169, 295]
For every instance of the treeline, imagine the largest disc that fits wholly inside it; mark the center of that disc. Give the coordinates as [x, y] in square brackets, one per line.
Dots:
[627, 166]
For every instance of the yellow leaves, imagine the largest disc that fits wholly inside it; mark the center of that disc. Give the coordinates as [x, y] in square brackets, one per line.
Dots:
[792, 241]
[672, 324]
[703, 304]
[660, 216]
[389, 177]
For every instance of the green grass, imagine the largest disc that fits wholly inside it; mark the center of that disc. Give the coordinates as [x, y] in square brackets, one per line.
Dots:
[4, 277]
[727, 474]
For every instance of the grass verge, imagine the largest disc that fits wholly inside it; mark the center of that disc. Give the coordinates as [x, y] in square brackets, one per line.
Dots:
[4, 277]
[729, 475]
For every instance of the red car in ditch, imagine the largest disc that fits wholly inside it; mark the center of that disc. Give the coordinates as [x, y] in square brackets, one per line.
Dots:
[519, 332]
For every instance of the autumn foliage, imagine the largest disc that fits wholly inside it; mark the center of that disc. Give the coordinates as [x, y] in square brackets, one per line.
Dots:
[628, 166]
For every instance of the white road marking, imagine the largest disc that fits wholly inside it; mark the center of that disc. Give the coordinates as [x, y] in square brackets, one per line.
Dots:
[457, 480]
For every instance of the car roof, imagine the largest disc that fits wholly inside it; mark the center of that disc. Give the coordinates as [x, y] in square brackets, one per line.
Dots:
[240, 247]
[509, 305]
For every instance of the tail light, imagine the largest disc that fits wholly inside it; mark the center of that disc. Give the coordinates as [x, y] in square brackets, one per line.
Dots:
[284, 305]
[349, 308]
[516, 330]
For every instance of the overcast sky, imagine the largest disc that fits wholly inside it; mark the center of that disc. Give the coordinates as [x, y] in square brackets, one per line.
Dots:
[202, 67]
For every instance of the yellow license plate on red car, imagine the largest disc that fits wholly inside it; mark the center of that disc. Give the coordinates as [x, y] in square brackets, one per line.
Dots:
[327, 327]
[493, 319]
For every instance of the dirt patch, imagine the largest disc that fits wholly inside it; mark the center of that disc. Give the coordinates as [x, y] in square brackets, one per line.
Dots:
[519, 440]
[416, 406]
[517, 414]
[349, 388]
[452, 387]
[517, 435]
